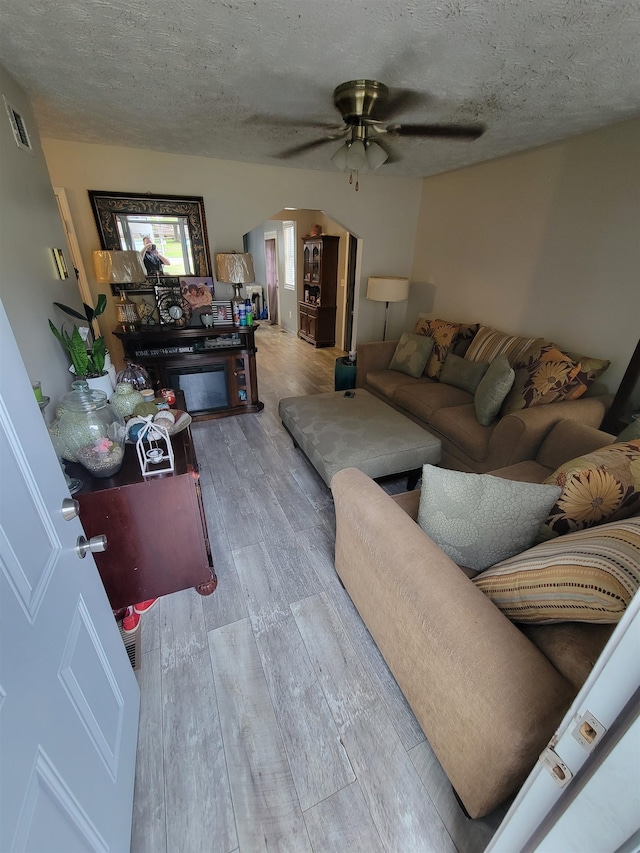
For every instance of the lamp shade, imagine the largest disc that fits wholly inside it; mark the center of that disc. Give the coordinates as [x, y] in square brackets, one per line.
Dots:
[235, 268]
[387, 288]
[339, 159]
[376, 155]
[356, 155]
[118, 267]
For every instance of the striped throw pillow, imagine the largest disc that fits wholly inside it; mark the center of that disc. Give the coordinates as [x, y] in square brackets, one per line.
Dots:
[488, 343]
[587, 576]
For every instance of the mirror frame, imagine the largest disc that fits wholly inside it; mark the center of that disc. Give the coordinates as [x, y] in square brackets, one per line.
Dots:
[106, 205]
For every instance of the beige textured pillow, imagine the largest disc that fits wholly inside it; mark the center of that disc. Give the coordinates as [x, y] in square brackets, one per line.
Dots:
[598, 487]
[587, 576]
[412, 354]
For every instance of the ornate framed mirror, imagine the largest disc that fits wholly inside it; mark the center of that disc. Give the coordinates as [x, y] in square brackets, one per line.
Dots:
[172, 227]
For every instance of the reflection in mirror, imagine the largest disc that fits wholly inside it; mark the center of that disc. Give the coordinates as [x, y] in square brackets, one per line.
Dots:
[160, 240]
[167, 231]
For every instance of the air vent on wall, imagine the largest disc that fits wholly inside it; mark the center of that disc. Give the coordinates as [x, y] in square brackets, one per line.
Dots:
[18, 127]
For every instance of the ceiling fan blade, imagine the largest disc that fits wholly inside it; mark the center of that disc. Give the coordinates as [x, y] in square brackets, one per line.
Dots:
[285, 121]
[306, 146]
[447, 131]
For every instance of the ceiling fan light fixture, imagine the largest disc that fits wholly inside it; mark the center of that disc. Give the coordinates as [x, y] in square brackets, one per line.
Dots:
[376, 155]
[339, 158]
[356, 155]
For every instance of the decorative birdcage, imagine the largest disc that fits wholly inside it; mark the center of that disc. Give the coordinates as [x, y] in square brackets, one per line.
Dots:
[155, 453]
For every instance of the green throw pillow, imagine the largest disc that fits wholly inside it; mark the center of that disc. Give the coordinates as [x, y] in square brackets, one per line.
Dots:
[412, 354]
[493, 388]
[478, 519]
[462, 373]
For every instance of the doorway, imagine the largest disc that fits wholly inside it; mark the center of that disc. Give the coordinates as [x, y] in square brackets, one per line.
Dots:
[271, 275]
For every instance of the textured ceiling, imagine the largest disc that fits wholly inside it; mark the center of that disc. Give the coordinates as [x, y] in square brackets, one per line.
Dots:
[210, 78]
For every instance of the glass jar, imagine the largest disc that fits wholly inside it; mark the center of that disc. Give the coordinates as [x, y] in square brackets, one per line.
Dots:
[92, 431]
[125, 398]
[135, 375]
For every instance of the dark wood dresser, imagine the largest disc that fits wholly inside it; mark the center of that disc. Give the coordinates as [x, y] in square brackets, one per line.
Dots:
[157, 540]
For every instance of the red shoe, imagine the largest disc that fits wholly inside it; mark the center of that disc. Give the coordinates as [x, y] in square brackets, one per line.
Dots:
[130, 621]
[144, 606]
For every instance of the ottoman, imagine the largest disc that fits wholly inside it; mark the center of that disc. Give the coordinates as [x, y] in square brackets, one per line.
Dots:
[338, 431]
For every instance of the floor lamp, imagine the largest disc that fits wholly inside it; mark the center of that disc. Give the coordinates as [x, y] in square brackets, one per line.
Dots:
[387, 289]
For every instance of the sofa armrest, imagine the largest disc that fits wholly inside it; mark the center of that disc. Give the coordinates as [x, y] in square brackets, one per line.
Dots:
[520, 435]
[373, 356]
[484, 695]
[568, 440]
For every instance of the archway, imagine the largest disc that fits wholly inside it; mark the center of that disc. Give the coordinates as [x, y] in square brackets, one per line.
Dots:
[283, 303]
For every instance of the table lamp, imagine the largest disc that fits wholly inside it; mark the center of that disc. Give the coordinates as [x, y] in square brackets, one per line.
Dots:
[387, 289]
[120, 270]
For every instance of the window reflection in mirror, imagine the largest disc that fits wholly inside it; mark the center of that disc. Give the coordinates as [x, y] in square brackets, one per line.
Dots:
[158, 237]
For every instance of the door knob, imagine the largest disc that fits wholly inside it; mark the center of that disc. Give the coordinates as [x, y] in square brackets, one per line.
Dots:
[93, 545]
[70, 509]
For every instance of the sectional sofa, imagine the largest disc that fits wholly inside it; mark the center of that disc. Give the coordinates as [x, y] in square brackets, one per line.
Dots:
[449, 412]
[487, 690]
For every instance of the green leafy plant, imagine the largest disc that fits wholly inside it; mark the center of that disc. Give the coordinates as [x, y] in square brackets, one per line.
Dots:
[87, 357]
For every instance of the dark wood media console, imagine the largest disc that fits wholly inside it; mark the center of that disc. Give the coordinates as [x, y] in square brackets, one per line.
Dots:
[214, 367]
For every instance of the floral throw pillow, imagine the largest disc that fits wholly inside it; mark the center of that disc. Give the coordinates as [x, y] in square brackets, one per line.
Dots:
[544, 375]
[444, 336]
[598, 487]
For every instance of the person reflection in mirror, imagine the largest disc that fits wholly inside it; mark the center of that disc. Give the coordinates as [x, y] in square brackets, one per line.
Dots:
[153, 260]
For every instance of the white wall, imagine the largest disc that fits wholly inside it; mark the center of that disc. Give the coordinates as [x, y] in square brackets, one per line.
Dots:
[546, 242]
[240, 196]
[30, 227]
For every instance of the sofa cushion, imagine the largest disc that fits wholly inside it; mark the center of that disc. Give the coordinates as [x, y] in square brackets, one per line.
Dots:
[412, 354]
[488, 343]
[386, 382]
[459, 427]
[598, 487]
[462, 373]
[492, 389]
[423, 399]
[444, 335]
[477, 519]
[587, 576]
[544, 375]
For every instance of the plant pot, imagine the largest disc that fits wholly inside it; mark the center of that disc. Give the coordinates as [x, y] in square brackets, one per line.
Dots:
[101, 383]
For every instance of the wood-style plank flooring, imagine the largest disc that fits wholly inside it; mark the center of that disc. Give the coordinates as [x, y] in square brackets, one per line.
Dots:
[269, 720]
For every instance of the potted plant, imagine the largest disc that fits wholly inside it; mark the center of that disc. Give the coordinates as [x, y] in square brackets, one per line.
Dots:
[88, 354]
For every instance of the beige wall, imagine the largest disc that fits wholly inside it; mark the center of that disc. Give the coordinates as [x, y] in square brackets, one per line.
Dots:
[30, 227]
[545, 242]
[240, 196]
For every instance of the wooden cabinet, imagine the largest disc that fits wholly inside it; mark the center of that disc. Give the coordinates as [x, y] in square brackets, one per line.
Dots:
[317, 310]
[214, 368]
[157, 541]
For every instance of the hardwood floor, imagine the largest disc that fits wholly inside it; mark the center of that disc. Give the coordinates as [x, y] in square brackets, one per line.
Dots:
[269, 719]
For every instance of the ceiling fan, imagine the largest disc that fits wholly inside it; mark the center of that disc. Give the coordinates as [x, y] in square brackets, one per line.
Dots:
[368, 110]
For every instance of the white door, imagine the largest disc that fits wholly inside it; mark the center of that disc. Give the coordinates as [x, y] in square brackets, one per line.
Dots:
[611, 685]
[68, 697]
